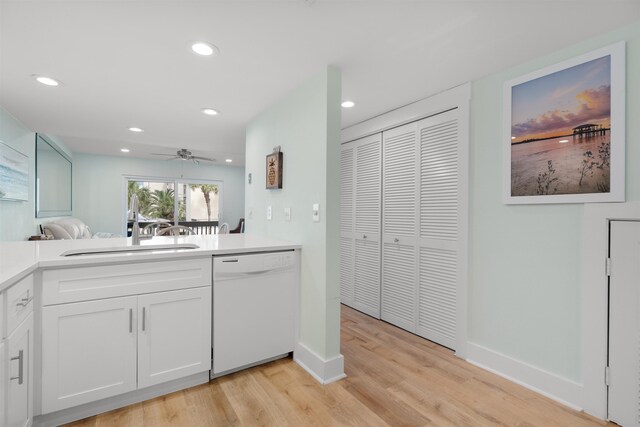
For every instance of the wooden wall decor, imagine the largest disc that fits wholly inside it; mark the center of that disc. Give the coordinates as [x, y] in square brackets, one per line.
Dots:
[274, 170]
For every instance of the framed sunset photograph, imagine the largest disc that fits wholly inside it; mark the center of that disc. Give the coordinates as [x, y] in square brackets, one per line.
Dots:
[564, 131]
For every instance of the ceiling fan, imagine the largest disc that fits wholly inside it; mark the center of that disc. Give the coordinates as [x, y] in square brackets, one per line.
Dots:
[184, 154]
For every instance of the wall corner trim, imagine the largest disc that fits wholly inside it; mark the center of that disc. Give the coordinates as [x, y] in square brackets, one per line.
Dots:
[562, 390]
[324, 371]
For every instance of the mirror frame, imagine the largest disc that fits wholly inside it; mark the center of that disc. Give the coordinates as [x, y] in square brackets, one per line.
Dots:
[49, 213]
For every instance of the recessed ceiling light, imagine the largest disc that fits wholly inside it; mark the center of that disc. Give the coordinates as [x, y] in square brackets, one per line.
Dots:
[348, 104]
[136, 130]
[124, 150]
[46, 80]
[204, 49]
[228, 160]
[209, 111]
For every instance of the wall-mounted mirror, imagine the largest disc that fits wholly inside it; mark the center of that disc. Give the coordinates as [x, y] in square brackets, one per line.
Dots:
[53, 179]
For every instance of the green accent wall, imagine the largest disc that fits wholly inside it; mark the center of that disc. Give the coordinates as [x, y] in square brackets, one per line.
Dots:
[17, 217]
[525, 291]
[98, 186]
[306, 125]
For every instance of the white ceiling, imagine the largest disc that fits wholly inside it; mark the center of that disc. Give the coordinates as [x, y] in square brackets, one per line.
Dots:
[128, 63]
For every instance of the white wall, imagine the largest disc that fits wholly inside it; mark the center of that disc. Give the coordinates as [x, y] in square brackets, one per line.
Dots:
[306, 124]
[526, 287]
[98, 186]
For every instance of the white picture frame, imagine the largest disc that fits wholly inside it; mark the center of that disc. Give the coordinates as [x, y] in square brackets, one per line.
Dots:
[556, 99]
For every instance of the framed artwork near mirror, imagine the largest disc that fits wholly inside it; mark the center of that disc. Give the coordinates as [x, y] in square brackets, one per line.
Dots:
[14, 174]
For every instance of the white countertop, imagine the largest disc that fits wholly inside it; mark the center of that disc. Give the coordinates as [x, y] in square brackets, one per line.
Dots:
[18, 259]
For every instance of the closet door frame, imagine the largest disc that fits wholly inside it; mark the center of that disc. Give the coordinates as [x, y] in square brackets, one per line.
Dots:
[458, 97]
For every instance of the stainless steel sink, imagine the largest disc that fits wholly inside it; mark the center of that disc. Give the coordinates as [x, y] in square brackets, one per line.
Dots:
[129, 249]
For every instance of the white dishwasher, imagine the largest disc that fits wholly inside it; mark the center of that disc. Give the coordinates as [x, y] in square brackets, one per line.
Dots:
[254, 309]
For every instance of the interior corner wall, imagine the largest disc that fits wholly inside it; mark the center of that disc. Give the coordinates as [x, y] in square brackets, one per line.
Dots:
[98, 186]
[525, 292]
[16, 217]
[306, 125]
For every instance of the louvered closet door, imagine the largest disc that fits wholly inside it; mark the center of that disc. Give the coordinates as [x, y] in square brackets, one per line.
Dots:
[438, 229]
[399, 225]
[367, 225]
[347, 243]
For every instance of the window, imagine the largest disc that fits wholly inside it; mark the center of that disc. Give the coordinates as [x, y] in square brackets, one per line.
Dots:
[196, 203]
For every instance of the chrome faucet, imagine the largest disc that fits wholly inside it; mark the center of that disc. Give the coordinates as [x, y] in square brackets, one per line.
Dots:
[135, 228]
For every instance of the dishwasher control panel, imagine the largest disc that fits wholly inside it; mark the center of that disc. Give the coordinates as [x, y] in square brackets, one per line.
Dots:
[278, 260]
[230, 265]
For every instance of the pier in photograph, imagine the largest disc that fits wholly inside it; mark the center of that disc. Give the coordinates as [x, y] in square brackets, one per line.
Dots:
[589, 129]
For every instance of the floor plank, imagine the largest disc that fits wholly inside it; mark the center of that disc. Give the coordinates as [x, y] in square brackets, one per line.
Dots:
[393, 378]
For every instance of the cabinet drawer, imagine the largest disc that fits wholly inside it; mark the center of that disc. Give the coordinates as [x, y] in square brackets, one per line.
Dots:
[89, 283]
[19, 303]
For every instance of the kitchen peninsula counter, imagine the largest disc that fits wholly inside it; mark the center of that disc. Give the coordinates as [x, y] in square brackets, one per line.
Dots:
[19, 259]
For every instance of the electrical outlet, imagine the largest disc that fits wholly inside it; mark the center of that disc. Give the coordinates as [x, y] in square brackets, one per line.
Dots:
[269, 213]
[316, 212]
[287, 214]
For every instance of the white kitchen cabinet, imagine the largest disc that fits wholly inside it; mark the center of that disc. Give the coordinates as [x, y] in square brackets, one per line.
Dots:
[174, 335]
[19, 381]
[93, 350]
[89, 351]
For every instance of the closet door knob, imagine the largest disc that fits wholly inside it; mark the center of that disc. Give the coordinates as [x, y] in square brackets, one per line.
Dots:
[396, 240]
[364, 236]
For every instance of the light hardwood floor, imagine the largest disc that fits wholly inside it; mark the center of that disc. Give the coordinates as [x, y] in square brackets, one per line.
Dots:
[394, 379]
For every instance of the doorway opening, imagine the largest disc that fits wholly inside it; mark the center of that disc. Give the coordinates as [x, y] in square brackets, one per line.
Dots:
[595, 296]
[622, 374]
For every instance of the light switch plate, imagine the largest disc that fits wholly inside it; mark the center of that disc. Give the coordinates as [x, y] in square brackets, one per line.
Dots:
[269, 212]
[287, 214]
[316, 212]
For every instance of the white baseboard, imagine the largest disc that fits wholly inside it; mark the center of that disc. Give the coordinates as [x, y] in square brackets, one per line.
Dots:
[560, 389]
[325, 371]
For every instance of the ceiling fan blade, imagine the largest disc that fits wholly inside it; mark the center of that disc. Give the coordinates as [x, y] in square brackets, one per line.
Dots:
[172, 158]
[195, 161]
[209, 159]
[160, 154]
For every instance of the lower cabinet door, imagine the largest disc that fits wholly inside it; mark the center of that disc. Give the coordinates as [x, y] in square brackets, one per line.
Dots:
[174, 330]
[88, 351]
[19, 389]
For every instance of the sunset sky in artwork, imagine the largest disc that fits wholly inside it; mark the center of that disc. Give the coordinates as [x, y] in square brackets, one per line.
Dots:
[554, 104]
